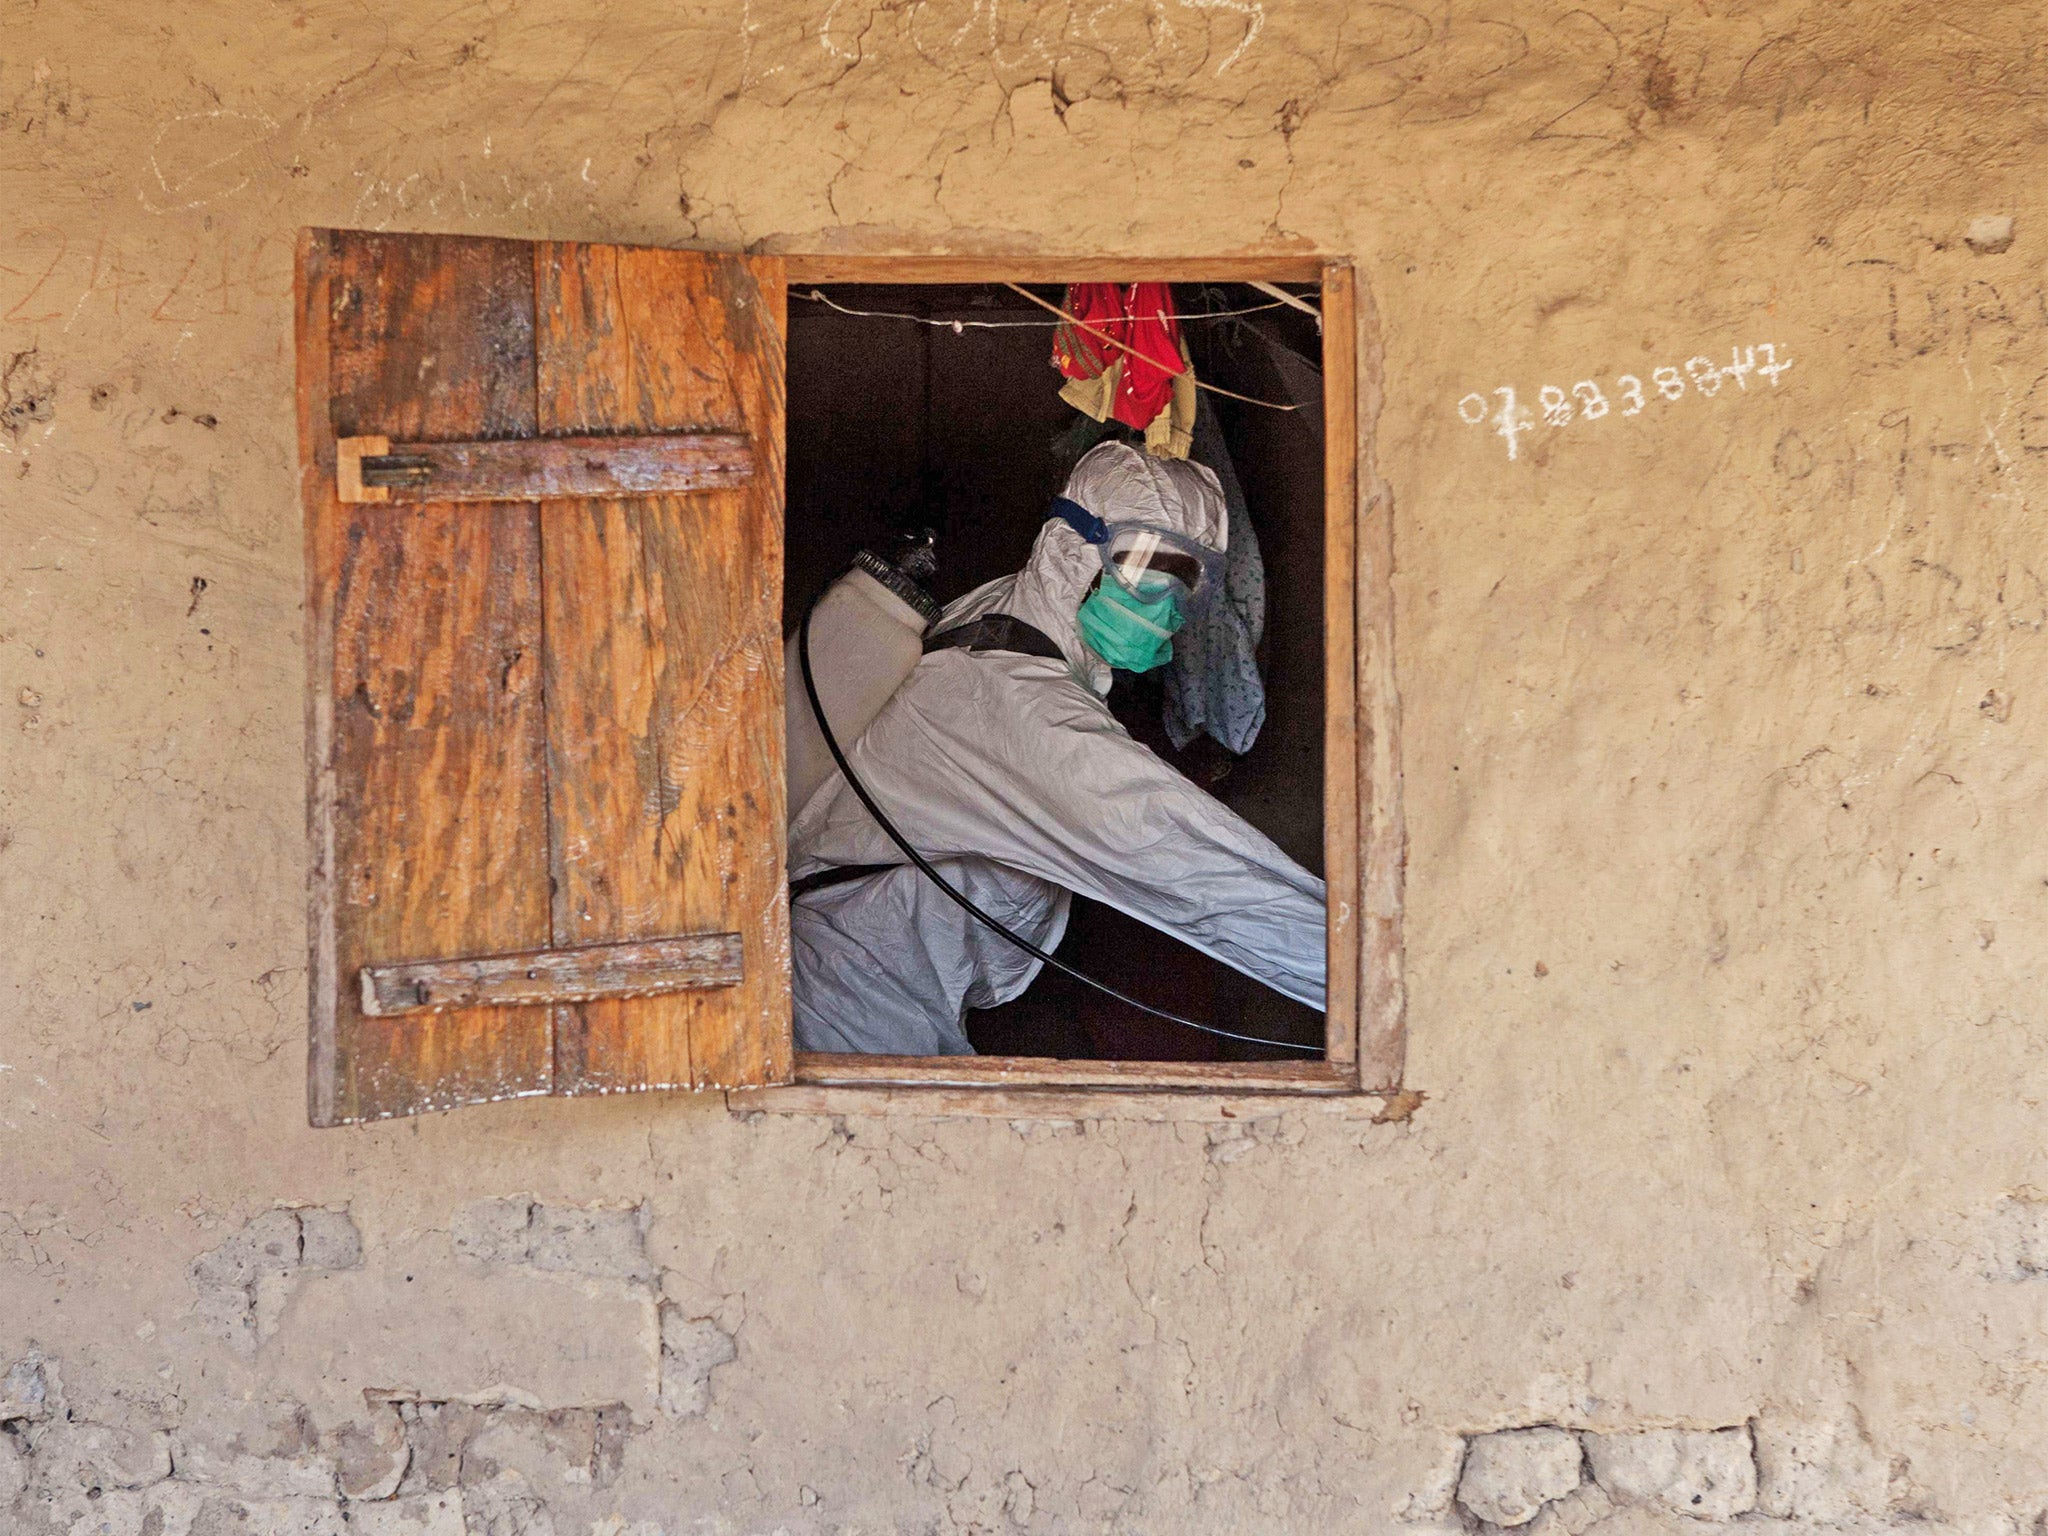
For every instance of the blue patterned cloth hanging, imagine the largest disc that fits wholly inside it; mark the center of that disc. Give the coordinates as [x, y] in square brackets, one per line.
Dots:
[1213, 682]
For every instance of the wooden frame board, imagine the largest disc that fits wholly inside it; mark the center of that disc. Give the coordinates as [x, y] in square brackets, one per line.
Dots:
[1215, 1104]
[816, 268]
[1364, 845]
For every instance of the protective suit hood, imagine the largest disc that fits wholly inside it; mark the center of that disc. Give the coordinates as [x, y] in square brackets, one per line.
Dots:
[1119, 484]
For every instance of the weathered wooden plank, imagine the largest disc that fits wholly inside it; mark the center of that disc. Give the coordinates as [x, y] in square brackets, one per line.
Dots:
[1006, 1103]
[313, 310]
[1383, 1014]
[663, 661]
[1048, 1072]
[540, 468]
[389, 376]
[824, 267]
[1342, 855]
[426, 741]
[555, 975]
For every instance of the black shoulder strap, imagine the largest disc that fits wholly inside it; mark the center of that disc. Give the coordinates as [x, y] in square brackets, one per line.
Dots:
[996, 632]
[825, 879]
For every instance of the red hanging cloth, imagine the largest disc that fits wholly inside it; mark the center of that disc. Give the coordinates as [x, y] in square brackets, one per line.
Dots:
[1141, 316]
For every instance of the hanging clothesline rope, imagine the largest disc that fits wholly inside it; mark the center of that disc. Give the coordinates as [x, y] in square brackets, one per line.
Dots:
[956, 326]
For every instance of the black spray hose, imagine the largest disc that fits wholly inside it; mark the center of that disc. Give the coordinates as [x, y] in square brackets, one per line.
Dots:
[803, 653]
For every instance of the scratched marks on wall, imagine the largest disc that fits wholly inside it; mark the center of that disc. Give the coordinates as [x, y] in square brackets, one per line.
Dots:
[1586, 401]
[52, 278]
[1592, 73]
[1069, 43]
[1599, 72]
[1032, 34]
[199, 158]
[1991, 323]
[1995, 326]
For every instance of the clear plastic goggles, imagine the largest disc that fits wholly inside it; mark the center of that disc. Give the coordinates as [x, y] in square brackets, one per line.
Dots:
[1150, 563]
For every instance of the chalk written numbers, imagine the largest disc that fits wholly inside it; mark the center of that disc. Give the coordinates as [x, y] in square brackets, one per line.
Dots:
[1510, 416]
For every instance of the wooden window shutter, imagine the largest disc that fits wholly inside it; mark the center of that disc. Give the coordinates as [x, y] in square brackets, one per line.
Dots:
[543, 490]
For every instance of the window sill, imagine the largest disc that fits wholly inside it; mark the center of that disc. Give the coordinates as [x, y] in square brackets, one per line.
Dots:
[1028, 1088]
[1050, 1103]
[849, 1070]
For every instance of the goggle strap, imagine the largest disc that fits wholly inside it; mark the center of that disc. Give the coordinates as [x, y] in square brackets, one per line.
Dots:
[1081, 520]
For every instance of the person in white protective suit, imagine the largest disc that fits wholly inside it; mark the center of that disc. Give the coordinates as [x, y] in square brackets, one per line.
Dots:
[1007, 770]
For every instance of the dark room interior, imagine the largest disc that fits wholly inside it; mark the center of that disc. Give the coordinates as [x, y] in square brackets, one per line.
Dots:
[896, 424]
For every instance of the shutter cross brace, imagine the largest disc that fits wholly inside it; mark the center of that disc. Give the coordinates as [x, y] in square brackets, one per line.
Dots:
[541, 468]
[644, 968]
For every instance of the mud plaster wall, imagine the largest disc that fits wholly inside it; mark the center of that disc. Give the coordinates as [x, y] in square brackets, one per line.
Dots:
[1723, 764]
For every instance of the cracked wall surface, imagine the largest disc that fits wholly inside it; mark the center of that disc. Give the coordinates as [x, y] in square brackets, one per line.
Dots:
[1722, 740]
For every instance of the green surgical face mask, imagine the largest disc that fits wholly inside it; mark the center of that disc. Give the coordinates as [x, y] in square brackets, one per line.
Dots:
[1128, 632]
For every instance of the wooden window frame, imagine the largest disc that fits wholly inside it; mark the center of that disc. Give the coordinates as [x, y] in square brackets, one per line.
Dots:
[1363, 839]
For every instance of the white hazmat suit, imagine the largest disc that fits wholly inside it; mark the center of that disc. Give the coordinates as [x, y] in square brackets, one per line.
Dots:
[1010, 774]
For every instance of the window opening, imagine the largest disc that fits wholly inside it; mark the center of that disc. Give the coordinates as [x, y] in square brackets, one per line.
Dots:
[545, 505]
[936, 407]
